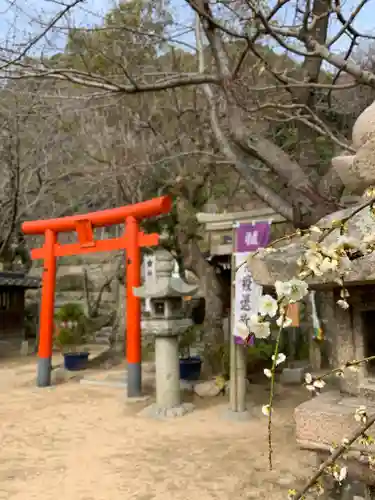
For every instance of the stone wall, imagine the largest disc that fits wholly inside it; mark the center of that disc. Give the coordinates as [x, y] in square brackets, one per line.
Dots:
[70, 287]
[70, 278]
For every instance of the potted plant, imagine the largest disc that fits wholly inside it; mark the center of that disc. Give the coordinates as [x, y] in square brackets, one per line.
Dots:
[71, 334]
[259, 356]
[190, 366]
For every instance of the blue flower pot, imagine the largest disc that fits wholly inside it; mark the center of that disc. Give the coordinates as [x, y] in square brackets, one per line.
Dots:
[190, 368]
[75, 361]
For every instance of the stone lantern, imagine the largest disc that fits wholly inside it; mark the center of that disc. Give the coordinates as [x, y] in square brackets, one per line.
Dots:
[328, 418]
[166, 320]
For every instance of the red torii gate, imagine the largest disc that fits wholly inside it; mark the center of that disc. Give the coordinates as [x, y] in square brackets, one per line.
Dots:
[132, 240]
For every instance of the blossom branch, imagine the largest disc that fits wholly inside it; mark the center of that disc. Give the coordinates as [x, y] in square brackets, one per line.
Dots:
[272, 393]
[334, 457]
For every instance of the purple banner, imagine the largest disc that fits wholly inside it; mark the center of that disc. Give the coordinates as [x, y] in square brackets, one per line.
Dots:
[250, 341]
[250, 237]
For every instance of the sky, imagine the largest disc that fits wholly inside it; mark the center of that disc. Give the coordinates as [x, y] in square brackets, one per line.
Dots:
[21, 19]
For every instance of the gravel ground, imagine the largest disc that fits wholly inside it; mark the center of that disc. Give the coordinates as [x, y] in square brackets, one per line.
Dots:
[77, 442]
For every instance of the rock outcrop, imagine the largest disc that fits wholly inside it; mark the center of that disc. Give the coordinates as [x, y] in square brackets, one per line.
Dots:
[357, 171]
[281, 264]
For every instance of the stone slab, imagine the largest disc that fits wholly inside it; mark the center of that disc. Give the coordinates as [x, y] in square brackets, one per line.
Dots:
[293, 376]
[117, 378]
[59, 376]
[104, 383]
[328, 418]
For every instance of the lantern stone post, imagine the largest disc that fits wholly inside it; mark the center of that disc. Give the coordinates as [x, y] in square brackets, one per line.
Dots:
[166, 322]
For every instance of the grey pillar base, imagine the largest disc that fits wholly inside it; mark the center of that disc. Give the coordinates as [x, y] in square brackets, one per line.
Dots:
[238, 381]
[44, 372]
[158, 413]
[237, 416]
[167, 371]
[134, 380]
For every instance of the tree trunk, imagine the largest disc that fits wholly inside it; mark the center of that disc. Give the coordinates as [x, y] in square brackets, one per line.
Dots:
[213, 291]
[214, 338]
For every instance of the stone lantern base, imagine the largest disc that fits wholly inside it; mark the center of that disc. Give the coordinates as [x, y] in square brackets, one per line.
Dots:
[168, 394]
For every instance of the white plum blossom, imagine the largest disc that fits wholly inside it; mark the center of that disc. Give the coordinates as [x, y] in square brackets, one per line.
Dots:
[299, 289]
[361, 414]
[345, 242]
[314, 262]
[343, 304]
[267, 372]
[283, 288]
[328, 264]
[341, 474]
[241, 330]
[284, 322]
[331, 251]
[292, 291]
[319, 384]
[370, 192]
[354, 367]
[369, 238]
[319, 259]
[267, 306]
[266, 410]
[280, 358]
[345, 263]
[310, 387]
[311, 384]
[261, 329]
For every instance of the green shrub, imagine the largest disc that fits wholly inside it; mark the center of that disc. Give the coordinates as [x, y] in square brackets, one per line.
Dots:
[189, 337]
[261, 350]
[71, 327]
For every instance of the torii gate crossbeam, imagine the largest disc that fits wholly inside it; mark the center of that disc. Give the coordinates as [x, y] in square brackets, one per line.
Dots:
[132, 240]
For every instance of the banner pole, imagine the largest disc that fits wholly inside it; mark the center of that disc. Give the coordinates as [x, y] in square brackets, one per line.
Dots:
[232, 345]
[241, 371]
[241, 351]
[246, 238]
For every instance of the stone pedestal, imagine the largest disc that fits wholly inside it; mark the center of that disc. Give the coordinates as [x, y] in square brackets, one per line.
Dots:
[166, 321]
[167, 372]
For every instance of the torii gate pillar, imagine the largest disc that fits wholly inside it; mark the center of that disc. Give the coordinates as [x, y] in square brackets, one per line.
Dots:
[132, 240]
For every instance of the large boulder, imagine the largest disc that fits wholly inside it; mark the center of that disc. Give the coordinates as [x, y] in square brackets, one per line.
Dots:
[281, 264]
[357, 171]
